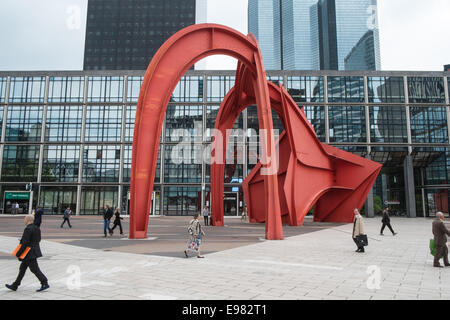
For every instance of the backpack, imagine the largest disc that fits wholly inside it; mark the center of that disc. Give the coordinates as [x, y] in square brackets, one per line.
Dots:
[191, 228]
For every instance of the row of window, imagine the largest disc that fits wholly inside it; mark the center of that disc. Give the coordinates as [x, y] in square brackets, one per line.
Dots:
[190, 89]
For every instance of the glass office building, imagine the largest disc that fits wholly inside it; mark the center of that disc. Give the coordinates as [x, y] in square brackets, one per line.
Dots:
[125, 34]
[70, 135]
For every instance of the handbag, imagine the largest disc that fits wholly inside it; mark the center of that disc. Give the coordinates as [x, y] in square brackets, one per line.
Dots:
[362, 240]
[432, 247]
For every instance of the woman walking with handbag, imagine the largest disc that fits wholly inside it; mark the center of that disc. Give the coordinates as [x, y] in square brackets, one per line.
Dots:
[359, 235]
[195, 236]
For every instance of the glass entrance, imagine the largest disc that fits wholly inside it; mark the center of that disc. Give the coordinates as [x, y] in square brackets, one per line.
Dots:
[155, 209]
[231, 203]
[436, 200]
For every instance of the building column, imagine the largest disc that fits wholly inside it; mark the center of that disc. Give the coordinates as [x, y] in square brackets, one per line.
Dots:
[410, 192]
[370, 212]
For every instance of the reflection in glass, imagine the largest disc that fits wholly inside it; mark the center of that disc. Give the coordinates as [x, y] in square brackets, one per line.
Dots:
[429, 124]
[60, 163]
[386, 89]
[27, 89]
[388, 124]
[64, 123]
[20, 163]
[103, 123]
[66, 89]
[306, 89]
[24, 123]
[347, 124]
[101, 163]
[426, 90]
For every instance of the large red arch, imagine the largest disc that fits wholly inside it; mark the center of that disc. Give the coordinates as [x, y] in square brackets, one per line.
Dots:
[168, 65]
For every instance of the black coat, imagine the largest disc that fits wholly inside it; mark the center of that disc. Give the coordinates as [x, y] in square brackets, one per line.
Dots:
[31, 238]
[107, 214]
[386, 219]
[38, 216]
[117, 217]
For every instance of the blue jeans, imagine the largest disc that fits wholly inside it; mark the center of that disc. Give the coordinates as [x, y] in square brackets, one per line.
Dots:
[106, 226]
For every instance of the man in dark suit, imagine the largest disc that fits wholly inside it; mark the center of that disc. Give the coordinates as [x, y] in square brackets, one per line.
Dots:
[30, 238]
[386, 222]
[107, 215]
[440, 233]
[38, 216]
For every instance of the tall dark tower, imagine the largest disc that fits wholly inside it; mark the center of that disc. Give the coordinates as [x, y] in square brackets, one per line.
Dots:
[125, 34]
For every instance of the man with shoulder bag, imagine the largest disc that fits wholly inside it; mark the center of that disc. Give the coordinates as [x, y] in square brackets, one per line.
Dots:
[359, 236]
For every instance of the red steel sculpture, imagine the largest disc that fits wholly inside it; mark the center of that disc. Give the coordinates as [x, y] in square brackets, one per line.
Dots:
[308, 173]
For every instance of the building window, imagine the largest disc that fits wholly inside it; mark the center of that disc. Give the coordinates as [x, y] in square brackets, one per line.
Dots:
[60, 163]
[347, 124]
[27, 89]
[188, 119]
[345, 89]
[105, 89]
[316, 116]
[181, 201]
[306, 89]
[66, 89]
[2, 89]
[24, 123]
[101, 164]
[183, 165]
[426, 90]
[93, 199]
[103, 123]
[386, 89]
[388, 124]
[429, 125]
[188, 89]
[54, 200]
[218, 87]
[134, 88]
[64, 123]
[20, 163]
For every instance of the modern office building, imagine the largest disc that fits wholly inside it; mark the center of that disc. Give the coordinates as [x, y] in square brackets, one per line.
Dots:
[317, 34]
[70, 135]
[125, 34]
[264, 21]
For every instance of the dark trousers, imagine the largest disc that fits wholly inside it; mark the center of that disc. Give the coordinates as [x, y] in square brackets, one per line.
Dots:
[441, 252]
[117, 223]
[360, 247]
[68, 221]
[388, 224]
[33, 265]
[206, 218]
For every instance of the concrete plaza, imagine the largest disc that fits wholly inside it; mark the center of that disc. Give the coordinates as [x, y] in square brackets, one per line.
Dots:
[316, 261]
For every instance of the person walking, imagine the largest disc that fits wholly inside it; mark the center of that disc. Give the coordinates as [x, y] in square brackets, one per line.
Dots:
[358, 230]
[66, 217]
[15, 208]
[107, 215]
[386, 220]
[30, 238]
[195, 236]
[440, 233]
[117, 220]
[38, 216]
[244, 213]
[206, 215]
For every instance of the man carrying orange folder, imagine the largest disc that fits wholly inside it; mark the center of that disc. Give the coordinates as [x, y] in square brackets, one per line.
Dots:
[28, 251]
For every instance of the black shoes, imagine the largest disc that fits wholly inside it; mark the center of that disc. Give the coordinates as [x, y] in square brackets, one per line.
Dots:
[437, 266]
[11, 287]
[43, 287]
[200, 256]
[185, 253]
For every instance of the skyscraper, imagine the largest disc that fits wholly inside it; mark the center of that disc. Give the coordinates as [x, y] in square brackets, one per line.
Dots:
[264, 21]
[317, 34]
[125, 34]
[348, 34]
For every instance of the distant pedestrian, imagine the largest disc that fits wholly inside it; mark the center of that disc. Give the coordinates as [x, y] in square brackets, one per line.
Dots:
[67, 214]
[358, 230]
[30, 238]
[195, 236]
[244, 213]
[206, 215]
[107, 215]
[38, 216]
[440, 233]
[117, 220]
[15, 208]
[386, 220]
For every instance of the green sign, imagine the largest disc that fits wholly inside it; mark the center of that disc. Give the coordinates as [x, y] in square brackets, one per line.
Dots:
[17, 196]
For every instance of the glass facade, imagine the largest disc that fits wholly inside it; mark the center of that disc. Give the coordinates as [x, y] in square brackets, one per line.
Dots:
[70, 134]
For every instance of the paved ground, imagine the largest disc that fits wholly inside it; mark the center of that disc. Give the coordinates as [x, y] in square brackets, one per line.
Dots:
[306, 265]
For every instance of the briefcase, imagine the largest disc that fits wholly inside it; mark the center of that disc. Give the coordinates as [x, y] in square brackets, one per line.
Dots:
[24, 253]
[362, 240]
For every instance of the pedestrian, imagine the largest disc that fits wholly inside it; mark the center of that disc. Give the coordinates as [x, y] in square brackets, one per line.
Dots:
[386, 220]
[244, 213]
[66, 217]
[358, 230]
[30, 238]
[38, 216]
[206, 215]
[107, 215]
[195, 236]
[117, 220]
[440, 233]
[16, 208]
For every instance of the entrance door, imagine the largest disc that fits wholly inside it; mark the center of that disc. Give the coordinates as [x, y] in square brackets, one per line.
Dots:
[231, 204]
[155, 209]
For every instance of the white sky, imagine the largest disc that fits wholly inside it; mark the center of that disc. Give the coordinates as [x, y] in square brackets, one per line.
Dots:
[49, 34]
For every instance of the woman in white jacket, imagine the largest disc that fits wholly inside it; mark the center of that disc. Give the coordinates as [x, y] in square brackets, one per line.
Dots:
[358, 229]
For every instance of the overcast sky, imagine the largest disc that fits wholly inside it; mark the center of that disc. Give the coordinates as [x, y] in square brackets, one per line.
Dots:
[49, 34]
